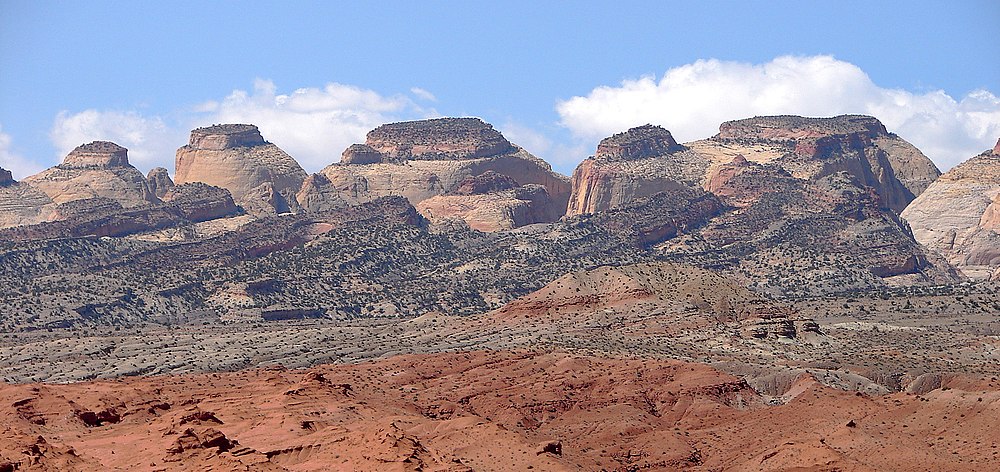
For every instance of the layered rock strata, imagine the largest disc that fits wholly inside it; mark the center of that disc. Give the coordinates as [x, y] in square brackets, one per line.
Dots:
[492, 202]
[96, 170]
[427, 158]
[959, 215]
[260, 176]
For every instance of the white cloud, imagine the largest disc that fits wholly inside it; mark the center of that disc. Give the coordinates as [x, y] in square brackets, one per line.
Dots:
[149, 140]
[693, 99]
[423, 94]
[18, 165]
[313, 125]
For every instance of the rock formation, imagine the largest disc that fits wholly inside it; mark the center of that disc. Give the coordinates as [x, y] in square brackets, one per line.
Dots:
[260, 176]
[96, 170]
[427, 158]
[22, 204]
[159, 181]
[959, 215]
[492, 202]
[637, 163]
[811, 148]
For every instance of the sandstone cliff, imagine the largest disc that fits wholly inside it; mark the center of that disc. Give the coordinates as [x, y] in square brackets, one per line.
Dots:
[637, 163]
[959, 215]
[492, 202]
[427, 158]
[98, 169]
[22, 204]
[260, 176]
[811, 148]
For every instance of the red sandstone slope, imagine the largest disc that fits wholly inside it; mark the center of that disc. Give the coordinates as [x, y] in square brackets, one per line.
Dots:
[489, 411]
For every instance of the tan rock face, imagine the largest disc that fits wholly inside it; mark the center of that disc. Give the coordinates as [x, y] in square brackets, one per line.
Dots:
[959, 215]
[260, 176]
[424, 159]
[95, 170]
[159, 181]
[494, 210]
[97, 154]
[22, 204]
[631, 165]
[812, 148]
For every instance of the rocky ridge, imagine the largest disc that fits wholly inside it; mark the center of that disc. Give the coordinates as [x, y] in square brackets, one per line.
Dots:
[428, 158]
[96, 170]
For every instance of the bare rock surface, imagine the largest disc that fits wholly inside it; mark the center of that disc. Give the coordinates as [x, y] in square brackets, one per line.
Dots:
[260, 176]
[96, 170]
[812, 148]
[490, 411]
[159, 181]
[22, 204]
[495, 210]
[957, 215]
[427, 158]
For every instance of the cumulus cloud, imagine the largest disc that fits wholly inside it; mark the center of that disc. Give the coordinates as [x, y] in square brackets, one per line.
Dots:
[149, 140]
[18, 165]
[693, 99]
[314, 125]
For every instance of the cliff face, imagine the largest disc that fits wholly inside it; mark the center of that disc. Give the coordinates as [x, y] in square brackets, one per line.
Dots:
[492, 202]
[812, 148]
[96, 170]
[635, 164]
[260, 176]
[428, 158]
[957, 215]
[20, 203]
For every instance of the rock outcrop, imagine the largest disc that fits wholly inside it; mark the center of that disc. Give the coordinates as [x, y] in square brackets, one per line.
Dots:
[428, 158]
[492, 202]
[627, 166]
[812, 148]
[959, 215]
[21, 204]
[159, 181]
[96, 170]
[260, 176]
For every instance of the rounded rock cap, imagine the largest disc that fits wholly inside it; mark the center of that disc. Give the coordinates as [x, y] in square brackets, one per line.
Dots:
[97, 154]
[225, 136]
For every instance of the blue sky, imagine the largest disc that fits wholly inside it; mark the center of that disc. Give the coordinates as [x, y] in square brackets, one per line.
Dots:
[553, 76]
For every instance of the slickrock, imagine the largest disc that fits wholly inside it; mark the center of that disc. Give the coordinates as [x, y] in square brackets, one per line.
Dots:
[492, 202]
[957, 215]
[427, 158]
[198, 202]
[260, 176]
[159, 181]
[98, 169]
[497, 411]
[22, 204]
[318, 194]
